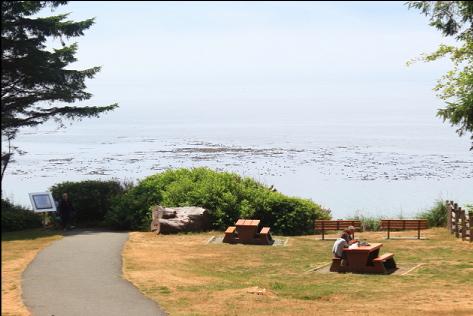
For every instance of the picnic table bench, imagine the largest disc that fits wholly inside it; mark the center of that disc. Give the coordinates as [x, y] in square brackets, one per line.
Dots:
[365, 259]
[245, 231]
[404, 224]
[326, 225]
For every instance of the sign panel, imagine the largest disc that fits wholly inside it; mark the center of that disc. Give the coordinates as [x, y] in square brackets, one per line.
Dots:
[42, 202]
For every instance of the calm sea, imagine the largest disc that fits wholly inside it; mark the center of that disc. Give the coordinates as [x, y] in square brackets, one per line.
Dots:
[387, 168]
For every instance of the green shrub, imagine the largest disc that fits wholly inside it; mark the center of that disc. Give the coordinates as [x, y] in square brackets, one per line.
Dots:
[226, 196]
[437, 215]
[90, 199]
[15, 217]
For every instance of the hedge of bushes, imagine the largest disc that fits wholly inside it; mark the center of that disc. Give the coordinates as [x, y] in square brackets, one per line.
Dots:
[226, 195]
[15, 217]
[91, 199]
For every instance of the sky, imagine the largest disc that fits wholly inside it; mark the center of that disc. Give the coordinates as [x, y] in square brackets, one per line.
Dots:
[240, 61]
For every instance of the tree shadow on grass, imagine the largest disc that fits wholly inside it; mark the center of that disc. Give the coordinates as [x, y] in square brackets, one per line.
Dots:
[30, 234]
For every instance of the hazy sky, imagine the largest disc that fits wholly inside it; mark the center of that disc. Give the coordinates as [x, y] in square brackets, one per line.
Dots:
[283, 61]
[335, 66]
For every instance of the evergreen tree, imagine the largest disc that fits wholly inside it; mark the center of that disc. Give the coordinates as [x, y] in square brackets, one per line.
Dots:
[453, 18]
[36, 84]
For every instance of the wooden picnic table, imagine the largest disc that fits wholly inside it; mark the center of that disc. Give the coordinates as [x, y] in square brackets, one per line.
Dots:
[361, 258]
[247, 229]
[365, 259]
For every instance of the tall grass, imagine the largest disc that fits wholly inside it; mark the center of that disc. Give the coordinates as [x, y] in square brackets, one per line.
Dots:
[469, 208]
[368, 223]
[437, 215]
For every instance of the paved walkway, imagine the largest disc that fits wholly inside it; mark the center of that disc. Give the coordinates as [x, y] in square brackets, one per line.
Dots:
[81, 274]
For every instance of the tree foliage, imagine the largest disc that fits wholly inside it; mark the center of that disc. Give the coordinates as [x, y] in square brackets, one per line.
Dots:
[36, 79]
[453, 18]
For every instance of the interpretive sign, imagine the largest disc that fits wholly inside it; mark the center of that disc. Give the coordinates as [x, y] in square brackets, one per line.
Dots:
[42, 202]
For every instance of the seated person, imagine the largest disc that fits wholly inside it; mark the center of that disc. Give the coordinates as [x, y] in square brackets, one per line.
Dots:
[337, 249]
[348, 234]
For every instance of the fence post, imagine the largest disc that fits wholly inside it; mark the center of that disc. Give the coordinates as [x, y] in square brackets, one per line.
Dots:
[449, 216]
[457, 215]
[463, 227]
[470, 223]
[323, 231]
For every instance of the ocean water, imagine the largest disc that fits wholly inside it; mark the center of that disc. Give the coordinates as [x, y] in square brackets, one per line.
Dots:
[370, 167]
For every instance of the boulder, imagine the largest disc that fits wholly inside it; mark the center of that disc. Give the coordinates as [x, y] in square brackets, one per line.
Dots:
[167, 220]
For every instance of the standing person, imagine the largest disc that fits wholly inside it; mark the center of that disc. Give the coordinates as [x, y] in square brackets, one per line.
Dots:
[65, 211]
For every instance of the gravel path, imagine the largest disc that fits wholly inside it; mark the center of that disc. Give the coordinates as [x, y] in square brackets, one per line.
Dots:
[81, 274]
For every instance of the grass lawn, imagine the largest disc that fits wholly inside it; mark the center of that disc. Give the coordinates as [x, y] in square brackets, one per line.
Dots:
[188, 277]
[18, 250]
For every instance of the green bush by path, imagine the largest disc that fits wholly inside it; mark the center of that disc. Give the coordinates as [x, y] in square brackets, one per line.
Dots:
[15, 217]
[91, 199]
[226, 195]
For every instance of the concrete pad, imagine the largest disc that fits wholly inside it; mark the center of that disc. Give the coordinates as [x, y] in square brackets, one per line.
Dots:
[402, 269]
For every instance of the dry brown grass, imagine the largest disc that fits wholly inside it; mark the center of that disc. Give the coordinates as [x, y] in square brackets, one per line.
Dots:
[188, 277]
[18, 250]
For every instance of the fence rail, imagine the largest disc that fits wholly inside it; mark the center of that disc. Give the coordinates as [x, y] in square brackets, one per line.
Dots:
[459, 222]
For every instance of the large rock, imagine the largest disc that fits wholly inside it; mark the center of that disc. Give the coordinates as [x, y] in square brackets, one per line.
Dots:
[179, 219]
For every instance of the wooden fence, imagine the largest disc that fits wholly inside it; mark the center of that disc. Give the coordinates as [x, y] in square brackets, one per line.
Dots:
[459, 222]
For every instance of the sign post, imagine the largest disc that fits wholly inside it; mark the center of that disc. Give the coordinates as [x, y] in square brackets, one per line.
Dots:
[43, 202]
